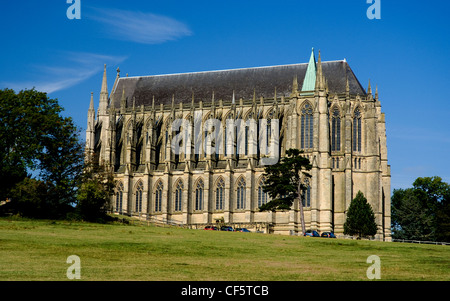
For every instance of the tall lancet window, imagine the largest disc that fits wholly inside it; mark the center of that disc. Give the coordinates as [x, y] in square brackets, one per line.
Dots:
[269, 128]
[227, 136]
[139, 192]
[307, 126]
[263, 197]
[357, 131]
[336, 130]
[178, 195]
[306, 199]
[139, 144]
[240, 194]
[158, 196]
[220, 191]
[158, 143]
[199, 195]
[166, 141]
[119, 197]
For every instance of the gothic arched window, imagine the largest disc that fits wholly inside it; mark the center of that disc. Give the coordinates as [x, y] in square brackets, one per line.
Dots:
[262, 196]
[158, 196]
[119, 197]
[307, 126]
[269, 128]
[118, 145]
[139, 144]
[240, 195]
[336, 130]
[227, 131]
[199, 195]
[158, 142]
[139, 192]
[357, 131]
[178, 195]
[246, 133]
[220, 191]
[306, 199]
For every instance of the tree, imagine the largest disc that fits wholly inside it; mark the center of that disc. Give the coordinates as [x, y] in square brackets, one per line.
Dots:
[29, 198]
[35, 139]
[96, 187]
[360, 218]
[61, 163]
[410, 219]
[285, 182]
[423, 211]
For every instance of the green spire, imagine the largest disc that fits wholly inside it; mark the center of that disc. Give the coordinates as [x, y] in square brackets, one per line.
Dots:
[309, 83]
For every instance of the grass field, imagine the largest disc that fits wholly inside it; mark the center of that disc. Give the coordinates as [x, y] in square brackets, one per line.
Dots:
[38, 250]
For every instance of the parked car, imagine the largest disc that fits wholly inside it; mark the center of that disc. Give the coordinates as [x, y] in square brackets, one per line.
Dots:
[226, 228]
[312, 233]
[211, 228]
[328, 234]
[242, 230]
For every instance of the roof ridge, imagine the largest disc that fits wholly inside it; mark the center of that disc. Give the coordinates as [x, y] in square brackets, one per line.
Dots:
[222, 70]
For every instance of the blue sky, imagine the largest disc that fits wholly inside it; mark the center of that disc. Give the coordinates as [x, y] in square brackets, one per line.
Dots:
[405, 53]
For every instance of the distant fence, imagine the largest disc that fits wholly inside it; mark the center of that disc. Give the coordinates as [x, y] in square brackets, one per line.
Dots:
[421, 242]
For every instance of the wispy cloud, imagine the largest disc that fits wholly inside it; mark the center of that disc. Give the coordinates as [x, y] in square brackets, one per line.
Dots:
[140, 27]
[78, 67]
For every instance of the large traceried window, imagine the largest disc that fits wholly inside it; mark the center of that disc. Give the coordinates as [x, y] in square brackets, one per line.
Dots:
[240, 196]
[119, 197]
[199, 195]
[178, 195]
[158, 196]
[336, 130]
[220, 192]
[357, 131]
[307, 127]
[139, 192]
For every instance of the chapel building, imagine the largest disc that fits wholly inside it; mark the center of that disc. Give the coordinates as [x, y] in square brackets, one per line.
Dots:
[216, 173]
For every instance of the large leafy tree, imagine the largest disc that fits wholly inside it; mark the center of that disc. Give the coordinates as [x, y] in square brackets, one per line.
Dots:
[423, 211]
[285, 181]
[37, 141]
[360, 218]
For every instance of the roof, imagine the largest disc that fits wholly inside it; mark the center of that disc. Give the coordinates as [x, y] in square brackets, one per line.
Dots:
[244, 82]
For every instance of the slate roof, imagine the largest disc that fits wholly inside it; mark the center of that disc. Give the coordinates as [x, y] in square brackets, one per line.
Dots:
[262, 80]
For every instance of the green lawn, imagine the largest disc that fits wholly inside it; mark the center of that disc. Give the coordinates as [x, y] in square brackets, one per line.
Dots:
[37, 250]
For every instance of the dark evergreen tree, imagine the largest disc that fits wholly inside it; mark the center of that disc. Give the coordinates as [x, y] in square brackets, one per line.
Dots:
[360, 218]
[283, 179]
